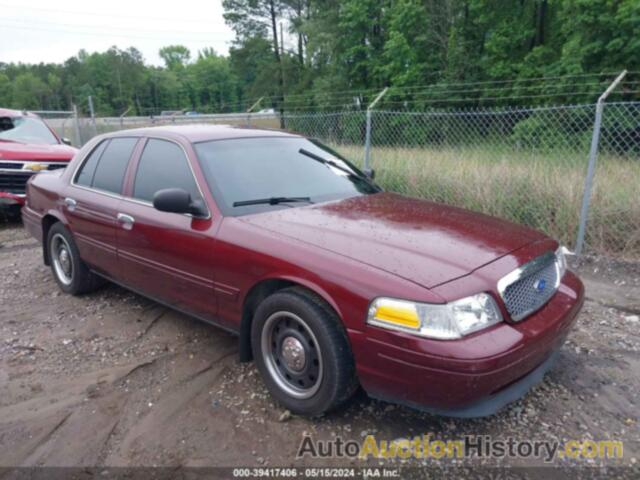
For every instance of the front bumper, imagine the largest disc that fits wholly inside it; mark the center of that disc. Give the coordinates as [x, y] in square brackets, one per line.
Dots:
[473, 376]
[9, 200]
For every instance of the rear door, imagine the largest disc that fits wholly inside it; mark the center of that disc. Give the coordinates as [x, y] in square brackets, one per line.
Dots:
[92, 199]
[167, 256]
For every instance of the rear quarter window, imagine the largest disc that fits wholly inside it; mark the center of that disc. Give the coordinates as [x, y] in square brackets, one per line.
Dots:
[107, 164]
[88, 169]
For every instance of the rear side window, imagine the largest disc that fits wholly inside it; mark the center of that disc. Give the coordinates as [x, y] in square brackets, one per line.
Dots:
[113, 164]
[88, 169]
[163, 165]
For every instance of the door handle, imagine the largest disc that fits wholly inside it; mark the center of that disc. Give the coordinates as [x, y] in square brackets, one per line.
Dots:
[126, 220]
[70, 203]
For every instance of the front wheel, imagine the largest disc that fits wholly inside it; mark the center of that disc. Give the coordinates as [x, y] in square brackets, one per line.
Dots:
[302, 352]
[12, 213]
[69, 271]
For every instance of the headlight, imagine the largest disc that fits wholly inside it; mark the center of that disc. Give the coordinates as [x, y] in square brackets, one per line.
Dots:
[445, 322]
[561, 260]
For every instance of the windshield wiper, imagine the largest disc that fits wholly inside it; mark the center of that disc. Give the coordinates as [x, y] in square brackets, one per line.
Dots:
[326, 161]
[272, 201]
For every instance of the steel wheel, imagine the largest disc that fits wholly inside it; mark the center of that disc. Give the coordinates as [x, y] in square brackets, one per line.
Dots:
[62, 259]
[292, 354]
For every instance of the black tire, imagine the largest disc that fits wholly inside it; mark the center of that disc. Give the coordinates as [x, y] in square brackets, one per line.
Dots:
[323, 376]
[70, 272]
[12, 214]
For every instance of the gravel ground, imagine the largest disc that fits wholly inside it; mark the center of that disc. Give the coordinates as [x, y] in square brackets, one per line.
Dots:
[113, 379]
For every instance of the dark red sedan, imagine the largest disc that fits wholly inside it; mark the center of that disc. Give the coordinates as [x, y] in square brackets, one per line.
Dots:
[27, 146]
[328, 281]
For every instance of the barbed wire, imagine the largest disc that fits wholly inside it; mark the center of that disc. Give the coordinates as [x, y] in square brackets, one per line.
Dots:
[315, 99]
[515, 80]
[484, 90]
[361, 92]
[483, 99]
[352, 100]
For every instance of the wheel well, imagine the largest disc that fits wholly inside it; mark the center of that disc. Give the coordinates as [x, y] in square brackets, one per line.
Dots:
[47, 223]
[257, 294]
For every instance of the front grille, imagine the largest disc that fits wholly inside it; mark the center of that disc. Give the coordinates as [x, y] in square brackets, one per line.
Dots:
[530, 287]
[11, 165]
[14, 182]
[21, 165]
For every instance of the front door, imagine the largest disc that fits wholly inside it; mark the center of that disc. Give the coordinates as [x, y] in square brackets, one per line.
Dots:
[167, 256]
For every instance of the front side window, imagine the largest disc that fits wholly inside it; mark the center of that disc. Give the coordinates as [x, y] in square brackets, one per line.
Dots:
[163, 165]
[112, 165]
[241, 170]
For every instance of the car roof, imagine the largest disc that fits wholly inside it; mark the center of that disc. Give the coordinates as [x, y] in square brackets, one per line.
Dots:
[196, 133]
[8, 112]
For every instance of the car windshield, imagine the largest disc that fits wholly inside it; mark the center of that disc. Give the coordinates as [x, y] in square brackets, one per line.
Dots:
[26, 130]
[244, 174]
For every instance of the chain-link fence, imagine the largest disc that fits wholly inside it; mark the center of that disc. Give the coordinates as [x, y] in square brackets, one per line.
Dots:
[613, 225]
[526, 164]
[89, 127]
[62, 122]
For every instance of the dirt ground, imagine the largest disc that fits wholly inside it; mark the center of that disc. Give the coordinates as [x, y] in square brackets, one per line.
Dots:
[113, 379]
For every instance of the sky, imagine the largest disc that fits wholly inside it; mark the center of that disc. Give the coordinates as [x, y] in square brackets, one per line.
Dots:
[35, 31]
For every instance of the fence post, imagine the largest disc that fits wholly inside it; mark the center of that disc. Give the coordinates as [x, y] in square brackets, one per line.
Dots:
[367, 138]
[593, 156]
[251, 109]
[76, 125]
[93, 115]
[64, 128]
[122, 117]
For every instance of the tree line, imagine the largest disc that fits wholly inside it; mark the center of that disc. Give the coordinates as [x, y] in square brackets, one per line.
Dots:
[338, 54]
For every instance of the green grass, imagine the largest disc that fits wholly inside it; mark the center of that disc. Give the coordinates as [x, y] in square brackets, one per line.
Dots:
[542, 190]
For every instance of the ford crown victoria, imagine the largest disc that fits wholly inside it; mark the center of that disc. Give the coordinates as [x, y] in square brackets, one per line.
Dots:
[329, 282]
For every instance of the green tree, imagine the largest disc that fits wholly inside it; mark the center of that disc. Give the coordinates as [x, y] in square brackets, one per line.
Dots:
[355, 45]
[28, 92]
[5, 90]
[258, 18]
[175, 57]
[214, 84]
[252, 64]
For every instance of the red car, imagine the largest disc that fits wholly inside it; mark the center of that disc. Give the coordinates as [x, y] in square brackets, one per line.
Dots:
[27, 146]
[328, 281]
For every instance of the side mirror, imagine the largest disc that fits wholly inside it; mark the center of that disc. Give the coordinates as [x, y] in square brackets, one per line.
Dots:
[370, 172]
[176, 200]
[66, 141]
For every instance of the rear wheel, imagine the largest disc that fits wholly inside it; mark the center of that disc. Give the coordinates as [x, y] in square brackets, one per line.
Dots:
[302, 352]
[69, 271]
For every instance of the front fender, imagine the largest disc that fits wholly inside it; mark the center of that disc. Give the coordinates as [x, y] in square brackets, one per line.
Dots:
[311, 286]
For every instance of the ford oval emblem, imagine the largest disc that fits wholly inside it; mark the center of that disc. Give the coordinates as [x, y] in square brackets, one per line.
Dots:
[540, 284]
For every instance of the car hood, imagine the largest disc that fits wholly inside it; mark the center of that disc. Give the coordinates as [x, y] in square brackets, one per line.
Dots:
[425, 242]
[30, 151]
